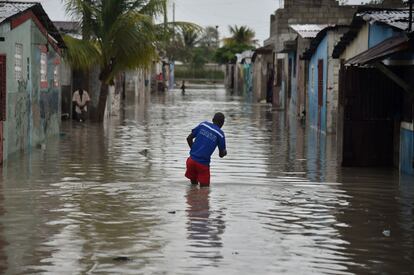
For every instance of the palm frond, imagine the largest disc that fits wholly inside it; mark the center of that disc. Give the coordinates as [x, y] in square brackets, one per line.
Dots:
[81, 54]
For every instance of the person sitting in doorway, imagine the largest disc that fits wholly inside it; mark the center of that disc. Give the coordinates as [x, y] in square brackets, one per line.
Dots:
[81, 101]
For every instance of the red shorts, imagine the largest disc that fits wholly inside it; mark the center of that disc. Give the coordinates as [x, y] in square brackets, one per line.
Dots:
[198, 172]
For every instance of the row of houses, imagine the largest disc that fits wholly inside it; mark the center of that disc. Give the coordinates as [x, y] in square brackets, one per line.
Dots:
[36, 85]
[347, 70]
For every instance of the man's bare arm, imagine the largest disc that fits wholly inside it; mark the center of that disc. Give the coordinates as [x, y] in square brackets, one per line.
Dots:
[190, 140]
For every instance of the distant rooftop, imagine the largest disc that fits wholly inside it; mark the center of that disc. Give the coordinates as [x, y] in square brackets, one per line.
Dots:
[68, 26]
[10, 8]
[308, 30]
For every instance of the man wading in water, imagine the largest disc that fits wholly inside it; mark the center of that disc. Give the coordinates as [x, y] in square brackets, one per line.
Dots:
[207, 137]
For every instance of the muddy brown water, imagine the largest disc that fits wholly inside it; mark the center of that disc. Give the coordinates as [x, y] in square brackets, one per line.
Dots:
[113, 199]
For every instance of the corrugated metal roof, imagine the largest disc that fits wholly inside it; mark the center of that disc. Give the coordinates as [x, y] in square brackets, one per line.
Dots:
[9, 9]
[308, 30]
[394, 18]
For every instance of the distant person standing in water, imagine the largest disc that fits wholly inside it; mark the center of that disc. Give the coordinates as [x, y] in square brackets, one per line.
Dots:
[183, 87]
[81, 101]
[203, 141]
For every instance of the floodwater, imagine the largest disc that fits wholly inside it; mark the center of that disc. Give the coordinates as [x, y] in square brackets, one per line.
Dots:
[112, 199]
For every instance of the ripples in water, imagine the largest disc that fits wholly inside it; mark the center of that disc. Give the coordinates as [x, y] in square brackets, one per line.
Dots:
[113, 199]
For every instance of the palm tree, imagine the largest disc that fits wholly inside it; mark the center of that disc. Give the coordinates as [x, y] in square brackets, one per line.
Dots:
[121, 35]
[241, 35]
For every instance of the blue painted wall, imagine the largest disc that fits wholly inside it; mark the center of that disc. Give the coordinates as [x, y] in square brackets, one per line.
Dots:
[407, 151]
[379, 33]
[313, 117]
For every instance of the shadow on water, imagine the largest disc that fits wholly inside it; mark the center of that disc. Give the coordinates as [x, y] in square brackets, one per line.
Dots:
[112, 198]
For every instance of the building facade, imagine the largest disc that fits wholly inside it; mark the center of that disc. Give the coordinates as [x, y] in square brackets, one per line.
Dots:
[30, 75]
[376, 96]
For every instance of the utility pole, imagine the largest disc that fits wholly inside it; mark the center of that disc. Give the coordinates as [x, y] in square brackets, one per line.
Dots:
[174, 12]
[410, 17]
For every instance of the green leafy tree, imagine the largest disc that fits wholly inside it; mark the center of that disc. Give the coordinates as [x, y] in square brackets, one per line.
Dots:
[241, 39]
[210, 38]
[118, 35]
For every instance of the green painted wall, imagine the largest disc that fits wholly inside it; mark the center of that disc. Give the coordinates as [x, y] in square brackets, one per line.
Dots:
[33, 113]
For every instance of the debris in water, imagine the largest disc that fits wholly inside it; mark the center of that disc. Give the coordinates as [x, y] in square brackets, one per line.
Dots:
[144, 152]
[386, 233]
[171, 212]
[122, 259]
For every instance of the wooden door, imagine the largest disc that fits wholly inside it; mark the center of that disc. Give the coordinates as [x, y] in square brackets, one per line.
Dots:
[2, 101]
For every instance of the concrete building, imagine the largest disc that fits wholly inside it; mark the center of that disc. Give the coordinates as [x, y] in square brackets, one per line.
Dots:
[263, 74]
[376, 96]
[297, 79]
[322, 79]
[282, 37]
[30, 82]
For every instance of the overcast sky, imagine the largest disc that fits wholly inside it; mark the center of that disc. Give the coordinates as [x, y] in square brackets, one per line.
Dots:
[252, 13]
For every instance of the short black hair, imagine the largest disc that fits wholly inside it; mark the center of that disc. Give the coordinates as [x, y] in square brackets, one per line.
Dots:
[219, 119]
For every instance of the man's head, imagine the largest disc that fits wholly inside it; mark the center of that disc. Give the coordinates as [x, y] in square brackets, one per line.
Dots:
[218, 119]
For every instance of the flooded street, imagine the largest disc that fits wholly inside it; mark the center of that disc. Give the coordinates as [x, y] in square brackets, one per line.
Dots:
[113, 199]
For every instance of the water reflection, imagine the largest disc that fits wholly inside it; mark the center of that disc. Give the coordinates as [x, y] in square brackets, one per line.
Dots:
[204, 226]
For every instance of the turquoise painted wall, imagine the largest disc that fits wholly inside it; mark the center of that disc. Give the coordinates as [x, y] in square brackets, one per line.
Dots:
[33, 114]
[313, 116]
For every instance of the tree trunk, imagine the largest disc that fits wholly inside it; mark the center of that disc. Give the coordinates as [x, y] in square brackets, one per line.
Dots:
[103, 96]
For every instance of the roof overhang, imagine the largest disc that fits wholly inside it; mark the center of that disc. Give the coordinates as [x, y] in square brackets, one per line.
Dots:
[389, 47]
[266, 50]
[308, 53]
[289, 46]
[396, 19]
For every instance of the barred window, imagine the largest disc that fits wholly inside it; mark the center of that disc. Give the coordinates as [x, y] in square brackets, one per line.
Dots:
[43, 67]
[18, 62]
[56, 76]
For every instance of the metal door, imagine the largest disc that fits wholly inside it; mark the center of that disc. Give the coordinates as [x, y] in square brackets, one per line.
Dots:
[371, 104]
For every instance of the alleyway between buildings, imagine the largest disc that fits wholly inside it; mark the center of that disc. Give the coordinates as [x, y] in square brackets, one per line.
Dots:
[113, 199]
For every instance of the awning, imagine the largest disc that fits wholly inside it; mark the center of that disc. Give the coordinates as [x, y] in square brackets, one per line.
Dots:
[289, 46]
[387, 48]
[266, 50]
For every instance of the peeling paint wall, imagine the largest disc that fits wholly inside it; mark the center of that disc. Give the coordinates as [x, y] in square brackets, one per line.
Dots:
[33, 112]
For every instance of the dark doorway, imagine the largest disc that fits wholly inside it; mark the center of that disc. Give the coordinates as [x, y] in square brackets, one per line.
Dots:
[372, 104]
